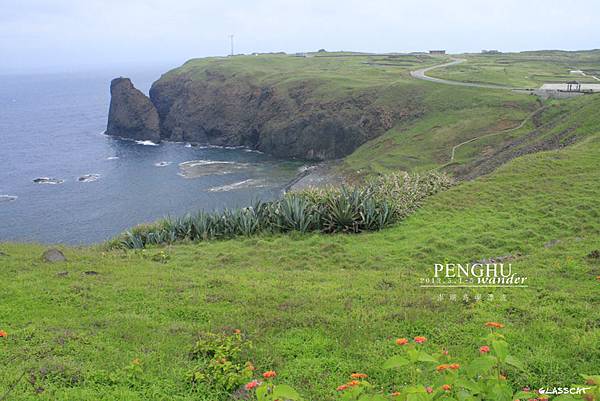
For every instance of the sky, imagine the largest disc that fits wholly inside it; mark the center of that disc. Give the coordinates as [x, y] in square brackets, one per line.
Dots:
[69, 35]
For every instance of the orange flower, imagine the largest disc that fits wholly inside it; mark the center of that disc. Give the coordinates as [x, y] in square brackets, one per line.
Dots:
[402, 341]
[237, 331]
[441, 368]
[353, 383]
[270, 374]
[494, 324]
[3, 334]
[484, 349]
[429, 389]
[446, 387]
[420, 339]
[395, 394]
[359, 375]
[444, 352]
[454, 366]
[342, 387]
[598, 278]
[251, 385]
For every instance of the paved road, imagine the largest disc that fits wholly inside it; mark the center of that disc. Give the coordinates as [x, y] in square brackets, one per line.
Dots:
[420, 74]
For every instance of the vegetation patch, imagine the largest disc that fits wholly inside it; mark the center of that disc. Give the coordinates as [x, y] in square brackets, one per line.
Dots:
[370, 207]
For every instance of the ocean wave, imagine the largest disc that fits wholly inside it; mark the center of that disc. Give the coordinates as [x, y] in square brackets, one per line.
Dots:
[202, 168]
[162, 164]
[147, 143]
[8, 198]
[249, 183]
[89, 178]
[112, 158]
[47, 180]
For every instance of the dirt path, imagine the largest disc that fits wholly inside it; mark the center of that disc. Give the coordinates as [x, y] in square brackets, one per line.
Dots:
[421, 74]
[504, 131]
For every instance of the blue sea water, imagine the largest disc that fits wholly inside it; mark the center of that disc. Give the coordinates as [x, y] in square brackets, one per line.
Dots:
[51, 126]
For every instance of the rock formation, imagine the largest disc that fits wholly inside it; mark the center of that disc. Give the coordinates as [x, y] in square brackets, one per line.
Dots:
[217, 107]
[131, 114]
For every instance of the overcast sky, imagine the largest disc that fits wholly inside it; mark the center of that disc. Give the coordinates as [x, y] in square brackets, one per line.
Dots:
[54, 35]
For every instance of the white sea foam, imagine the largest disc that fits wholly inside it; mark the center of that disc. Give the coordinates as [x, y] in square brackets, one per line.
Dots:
[195, 163]
[252, 151]
[112, 158]
[89, 178]
[202, 168]
[8, 198]
[249, 183]
[188, 145]
[147, 143]
[163, 164]
[47, 180]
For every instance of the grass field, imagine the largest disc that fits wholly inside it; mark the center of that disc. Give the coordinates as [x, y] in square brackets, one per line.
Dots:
[525, 69]
[316, 307]
[122, 325]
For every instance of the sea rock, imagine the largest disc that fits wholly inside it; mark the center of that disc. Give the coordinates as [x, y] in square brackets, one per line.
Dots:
[47, 180]
[53, 255]
[131, 115]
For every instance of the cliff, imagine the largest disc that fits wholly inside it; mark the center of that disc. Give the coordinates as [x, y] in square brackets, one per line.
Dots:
[269, 104]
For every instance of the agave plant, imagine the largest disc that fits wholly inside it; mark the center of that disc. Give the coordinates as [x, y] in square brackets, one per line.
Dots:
[295, 214]
[343, 212]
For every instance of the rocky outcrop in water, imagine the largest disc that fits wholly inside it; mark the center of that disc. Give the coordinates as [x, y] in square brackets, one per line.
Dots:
[131, 114]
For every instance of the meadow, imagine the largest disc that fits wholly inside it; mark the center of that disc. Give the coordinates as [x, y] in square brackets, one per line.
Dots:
[525, 69]
[195, 318]
[123, 323]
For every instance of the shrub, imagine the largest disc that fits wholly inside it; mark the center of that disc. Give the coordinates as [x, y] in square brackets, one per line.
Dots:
[482, 379]
[348, 209]
[220, 361]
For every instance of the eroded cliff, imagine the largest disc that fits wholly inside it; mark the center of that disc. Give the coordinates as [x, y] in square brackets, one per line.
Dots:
[289, 116]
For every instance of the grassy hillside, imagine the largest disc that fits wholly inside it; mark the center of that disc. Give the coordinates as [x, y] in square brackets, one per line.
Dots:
[318, 308]
[419, 121]
[525, 69]
[502, 124]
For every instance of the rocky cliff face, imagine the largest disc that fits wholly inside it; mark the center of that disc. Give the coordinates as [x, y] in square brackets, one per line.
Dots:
[131, 114]
[235, 110]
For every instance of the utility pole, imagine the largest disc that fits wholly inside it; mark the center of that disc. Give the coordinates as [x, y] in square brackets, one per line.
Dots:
[231, 39]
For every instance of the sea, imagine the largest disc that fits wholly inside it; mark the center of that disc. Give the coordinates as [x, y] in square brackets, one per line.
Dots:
[62, 181]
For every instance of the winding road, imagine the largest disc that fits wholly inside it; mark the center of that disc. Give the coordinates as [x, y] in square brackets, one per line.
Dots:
[421, 74]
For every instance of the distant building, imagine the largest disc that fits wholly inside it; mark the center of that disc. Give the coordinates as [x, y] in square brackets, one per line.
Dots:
[437, 52]
[490, 52]
[300, 54]
[573, 86]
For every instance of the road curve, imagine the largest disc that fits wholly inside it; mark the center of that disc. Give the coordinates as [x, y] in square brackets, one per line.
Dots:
[420, 74]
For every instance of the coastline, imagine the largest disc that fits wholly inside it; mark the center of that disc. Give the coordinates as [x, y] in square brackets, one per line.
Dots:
[315, 176]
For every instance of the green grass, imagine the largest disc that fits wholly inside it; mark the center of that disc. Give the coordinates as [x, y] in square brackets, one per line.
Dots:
[323, 77]
[454, 114]
[318, 307]
[524, 70]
